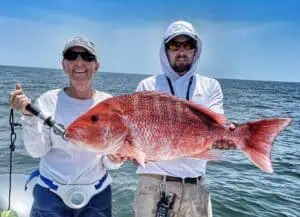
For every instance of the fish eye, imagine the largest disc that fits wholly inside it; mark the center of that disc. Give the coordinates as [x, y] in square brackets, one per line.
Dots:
[94, 118]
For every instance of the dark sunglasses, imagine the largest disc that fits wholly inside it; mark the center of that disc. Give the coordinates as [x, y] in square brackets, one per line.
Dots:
[73, 55]
[176, 45]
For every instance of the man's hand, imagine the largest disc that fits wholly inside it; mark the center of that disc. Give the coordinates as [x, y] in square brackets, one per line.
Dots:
[226, 144]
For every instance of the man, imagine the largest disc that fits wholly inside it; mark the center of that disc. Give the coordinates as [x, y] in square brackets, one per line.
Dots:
[71, 181]
[180, 179]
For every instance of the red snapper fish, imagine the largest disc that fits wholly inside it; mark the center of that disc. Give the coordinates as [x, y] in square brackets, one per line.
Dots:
[154, 126]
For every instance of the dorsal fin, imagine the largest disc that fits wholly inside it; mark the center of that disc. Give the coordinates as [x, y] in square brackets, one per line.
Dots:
[196, 108]
[218, 118]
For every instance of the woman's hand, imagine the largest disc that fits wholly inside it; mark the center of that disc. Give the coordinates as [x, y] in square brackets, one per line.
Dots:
[18, 100]
[117, 159]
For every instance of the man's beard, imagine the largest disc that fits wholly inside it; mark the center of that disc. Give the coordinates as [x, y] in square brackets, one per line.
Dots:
[181, 68]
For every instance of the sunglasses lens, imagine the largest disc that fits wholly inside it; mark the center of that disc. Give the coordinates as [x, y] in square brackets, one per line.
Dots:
[188, 45]
[86, 56]
[176, 45]
[172, 46]
[70, 55]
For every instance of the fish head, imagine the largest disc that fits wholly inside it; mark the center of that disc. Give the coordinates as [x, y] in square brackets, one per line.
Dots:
[100, 130]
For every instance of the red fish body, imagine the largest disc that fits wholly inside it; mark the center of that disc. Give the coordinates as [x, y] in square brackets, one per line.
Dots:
[152, 126]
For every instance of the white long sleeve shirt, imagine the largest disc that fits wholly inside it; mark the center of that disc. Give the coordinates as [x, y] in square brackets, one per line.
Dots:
[61, 161]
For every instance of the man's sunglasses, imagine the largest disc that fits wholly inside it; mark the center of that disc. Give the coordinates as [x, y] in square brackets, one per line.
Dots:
[176, 45]
[73, 55]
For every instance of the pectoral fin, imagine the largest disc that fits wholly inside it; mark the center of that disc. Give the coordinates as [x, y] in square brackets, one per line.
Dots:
[132, 153]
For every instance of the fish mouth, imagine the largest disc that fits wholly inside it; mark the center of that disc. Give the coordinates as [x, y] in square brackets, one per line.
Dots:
[75, 136]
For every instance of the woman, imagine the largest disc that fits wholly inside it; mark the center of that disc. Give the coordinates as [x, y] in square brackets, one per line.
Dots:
[71, 181]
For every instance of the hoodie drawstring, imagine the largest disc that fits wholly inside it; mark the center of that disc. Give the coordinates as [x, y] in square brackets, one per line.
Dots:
[187, 91]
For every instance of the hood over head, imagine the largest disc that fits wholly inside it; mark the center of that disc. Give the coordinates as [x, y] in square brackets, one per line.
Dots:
[175, 29]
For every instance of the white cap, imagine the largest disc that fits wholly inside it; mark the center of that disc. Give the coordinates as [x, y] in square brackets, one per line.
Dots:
[80, 41]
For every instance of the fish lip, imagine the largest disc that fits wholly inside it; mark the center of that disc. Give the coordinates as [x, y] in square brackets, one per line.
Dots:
[71, 135]
[68, 133]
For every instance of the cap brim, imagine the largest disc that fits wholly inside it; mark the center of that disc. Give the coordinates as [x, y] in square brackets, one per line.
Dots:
[80, 45]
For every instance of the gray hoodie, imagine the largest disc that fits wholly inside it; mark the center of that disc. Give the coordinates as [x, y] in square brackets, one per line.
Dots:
[175, 29]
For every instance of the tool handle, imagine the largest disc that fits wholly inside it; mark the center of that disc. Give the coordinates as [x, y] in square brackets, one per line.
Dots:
[33, 109]
[57, 128]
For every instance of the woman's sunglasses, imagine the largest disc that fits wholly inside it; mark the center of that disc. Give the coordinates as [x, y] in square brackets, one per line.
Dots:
[176, 45]
[73, 55]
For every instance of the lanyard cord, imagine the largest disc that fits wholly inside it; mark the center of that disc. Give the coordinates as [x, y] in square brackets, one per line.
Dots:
[13, 137]
[187, 91]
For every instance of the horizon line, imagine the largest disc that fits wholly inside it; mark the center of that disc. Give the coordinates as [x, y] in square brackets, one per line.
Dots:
[149, 74]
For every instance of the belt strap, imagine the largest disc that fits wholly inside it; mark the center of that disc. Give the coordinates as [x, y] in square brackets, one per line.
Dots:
[34, 174]
[185, 180]
[49, 183]
[101, 181]
[53, 186]
[175, 179]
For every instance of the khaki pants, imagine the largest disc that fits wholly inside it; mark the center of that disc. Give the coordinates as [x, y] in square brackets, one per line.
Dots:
[192, 200]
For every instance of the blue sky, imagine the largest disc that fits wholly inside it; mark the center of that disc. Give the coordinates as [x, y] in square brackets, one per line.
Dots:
[256, 40]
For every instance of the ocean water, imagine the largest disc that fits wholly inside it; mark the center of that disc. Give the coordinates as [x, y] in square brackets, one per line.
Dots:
[237, 187]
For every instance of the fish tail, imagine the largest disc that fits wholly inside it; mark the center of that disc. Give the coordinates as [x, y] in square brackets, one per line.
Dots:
[258, 140]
